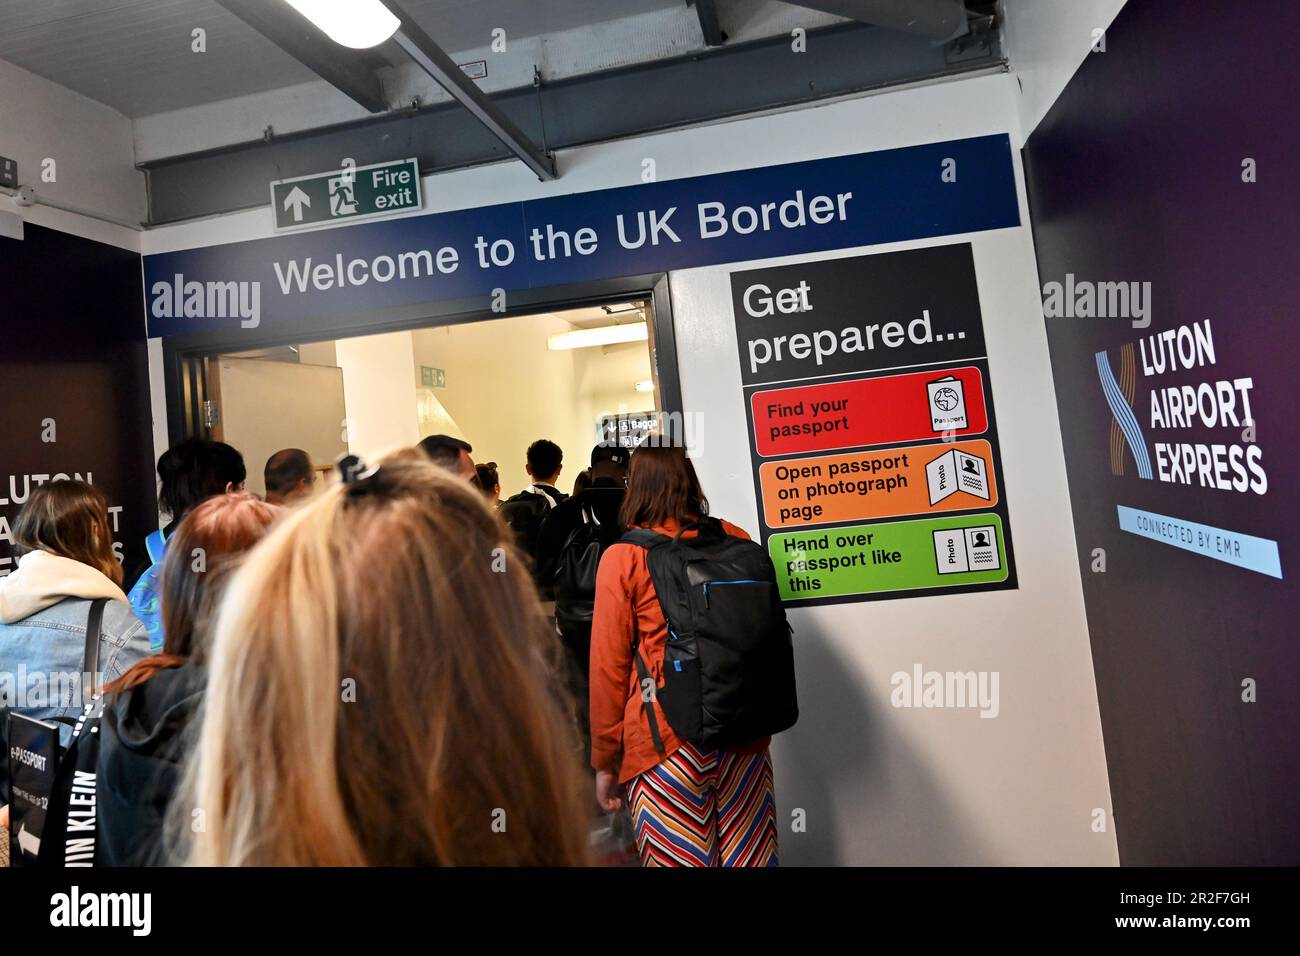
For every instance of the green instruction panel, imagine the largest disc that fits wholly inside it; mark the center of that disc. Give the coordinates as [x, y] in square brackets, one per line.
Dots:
[890, 556]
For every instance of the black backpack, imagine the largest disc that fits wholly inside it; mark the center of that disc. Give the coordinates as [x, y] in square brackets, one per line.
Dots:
[728, 675]
[524, 514]
[575, 570]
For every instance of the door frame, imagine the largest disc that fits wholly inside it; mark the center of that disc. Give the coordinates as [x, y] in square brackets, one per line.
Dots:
[185, 377]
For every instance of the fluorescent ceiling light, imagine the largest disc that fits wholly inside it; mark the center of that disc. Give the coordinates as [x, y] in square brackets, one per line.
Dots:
[646, 386]
[359, 24]
[604, 335]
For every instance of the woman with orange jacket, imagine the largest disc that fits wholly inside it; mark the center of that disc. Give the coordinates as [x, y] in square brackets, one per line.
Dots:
[690, 806]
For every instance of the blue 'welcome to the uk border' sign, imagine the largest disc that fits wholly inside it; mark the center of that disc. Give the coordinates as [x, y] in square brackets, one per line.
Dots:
[838, 203]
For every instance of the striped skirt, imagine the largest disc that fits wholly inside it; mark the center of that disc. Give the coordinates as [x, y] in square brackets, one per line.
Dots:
[705, 808]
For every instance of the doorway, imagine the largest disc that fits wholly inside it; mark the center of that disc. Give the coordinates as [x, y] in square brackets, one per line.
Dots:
[576, 374]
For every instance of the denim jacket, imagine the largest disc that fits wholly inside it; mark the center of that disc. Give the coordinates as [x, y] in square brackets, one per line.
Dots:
[41, 658]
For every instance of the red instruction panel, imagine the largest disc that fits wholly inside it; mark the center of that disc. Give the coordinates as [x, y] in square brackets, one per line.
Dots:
[869, 411]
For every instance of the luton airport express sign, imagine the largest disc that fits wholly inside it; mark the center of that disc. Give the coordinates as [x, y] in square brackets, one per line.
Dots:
[916, 192]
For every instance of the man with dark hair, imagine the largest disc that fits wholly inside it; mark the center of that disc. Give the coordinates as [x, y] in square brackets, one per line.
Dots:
[289, 476]
[451, 454]
[573, 536]
[544, 462]
[524, 512]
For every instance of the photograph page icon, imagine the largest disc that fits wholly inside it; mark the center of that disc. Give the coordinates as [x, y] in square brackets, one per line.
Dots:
[956, 471]
[957, 550]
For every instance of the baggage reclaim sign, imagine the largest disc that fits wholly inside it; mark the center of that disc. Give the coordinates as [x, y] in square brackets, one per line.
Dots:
[875, 451]
[346, 195]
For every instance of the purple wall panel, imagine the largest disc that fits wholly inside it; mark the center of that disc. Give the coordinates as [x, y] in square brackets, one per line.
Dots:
[1136, 176]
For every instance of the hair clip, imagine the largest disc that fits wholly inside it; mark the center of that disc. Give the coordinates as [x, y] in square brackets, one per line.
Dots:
[356, 473]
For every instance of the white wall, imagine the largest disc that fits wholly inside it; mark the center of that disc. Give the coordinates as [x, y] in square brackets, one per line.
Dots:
[91, 144]
[1046, 41]
[505, 389]
[379, 392]
[879, 785]
[885, 786]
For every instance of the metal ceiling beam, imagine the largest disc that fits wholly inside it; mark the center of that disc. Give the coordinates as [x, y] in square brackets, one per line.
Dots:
[349, 71]
[940, 20]
[421, 48]
[728, 81]
[707, 12]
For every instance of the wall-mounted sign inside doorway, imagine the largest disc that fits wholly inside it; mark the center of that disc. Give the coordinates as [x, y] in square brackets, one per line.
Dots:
[628, 429]
[346, 195]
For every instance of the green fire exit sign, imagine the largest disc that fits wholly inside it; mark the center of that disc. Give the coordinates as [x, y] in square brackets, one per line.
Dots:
[347, 195]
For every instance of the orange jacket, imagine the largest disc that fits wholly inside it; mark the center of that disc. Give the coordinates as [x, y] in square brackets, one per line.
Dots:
[627, 608]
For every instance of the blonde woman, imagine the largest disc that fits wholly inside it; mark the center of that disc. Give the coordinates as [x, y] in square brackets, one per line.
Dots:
[382, 691]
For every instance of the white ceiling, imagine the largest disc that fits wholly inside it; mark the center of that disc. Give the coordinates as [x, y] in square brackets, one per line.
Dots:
[135, 56]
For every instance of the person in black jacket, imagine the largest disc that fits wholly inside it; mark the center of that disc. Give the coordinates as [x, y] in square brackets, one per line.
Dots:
[142, 751]
[525, 512]
[149, 710]
[569, 533]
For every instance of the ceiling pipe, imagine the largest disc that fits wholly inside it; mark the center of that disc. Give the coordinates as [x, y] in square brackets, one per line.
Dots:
[26, 196]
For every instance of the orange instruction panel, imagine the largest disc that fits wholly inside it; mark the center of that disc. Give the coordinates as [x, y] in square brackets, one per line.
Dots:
[911, 480]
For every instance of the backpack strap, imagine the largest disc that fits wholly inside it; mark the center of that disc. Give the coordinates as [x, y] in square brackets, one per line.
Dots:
[90, 659]
[643, 673]
[540, 492]
[59, 848]
[645, 538]
[155, 544]
[705, 526]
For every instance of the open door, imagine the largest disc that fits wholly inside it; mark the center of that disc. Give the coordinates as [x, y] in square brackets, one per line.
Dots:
[265, 405]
